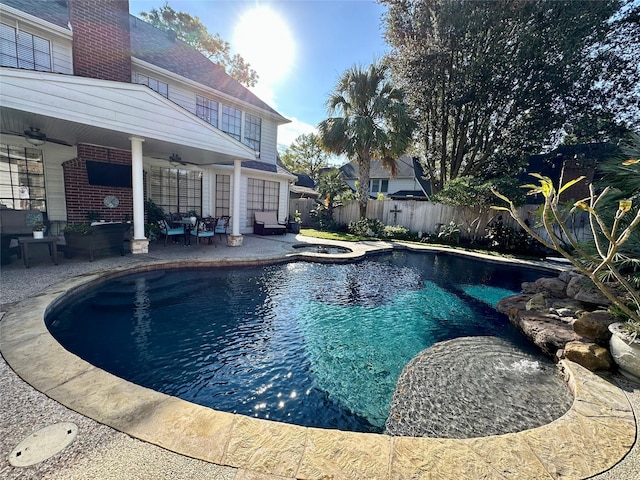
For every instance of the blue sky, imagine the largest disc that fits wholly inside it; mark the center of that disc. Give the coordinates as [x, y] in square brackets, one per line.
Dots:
[312, 43]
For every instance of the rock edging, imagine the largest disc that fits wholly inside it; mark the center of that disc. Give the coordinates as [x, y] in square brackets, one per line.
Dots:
[565, 317]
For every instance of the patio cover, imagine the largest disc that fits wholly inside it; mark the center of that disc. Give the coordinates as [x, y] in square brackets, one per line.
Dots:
[102, 112]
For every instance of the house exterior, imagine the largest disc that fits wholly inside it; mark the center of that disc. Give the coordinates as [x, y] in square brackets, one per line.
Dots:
[408, 184]
[101, 111]
[566, 163]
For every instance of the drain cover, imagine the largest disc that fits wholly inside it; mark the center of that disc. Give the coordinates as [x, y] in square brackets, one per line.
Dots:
[43, 444]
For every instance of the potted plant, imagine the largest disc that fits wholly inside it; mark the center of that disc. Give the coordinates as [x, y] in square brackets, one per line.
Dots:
[624, 346]
[38, 229]
[294, 224]
[193, 216]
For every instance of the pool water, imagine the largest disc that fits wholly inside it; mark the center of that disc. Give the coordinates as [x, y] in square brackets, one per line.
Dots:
[304, 343]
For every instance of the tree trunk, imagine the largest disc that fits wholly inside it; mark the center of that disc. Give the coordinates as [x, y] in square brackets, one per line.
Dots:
[364, 167]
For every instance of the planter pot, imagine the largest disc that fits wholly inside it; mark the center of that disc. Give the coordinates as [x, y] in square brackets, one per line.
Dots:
[38, 234]
[626, 354]
[294, 227]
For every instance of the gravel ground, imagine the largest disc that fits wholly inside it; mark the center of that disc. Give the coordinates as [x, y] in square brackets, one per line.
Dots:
[100, 452]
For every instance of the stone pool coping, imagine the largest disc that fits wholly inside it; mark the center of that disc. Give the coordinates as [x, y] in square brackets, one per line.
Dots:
[595, 434]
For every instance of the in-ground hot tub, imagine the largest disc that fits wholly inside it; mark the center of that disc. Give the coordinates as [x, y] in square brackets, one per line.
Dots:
[326, 249]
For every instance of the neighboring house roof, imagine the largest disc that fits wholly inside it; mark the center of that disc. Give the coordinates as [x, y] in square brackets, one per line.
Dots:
[421, 176]
[299, 191]
[305, 180]
[350, 171]
[566, 163]
[304, 186]
[408, 195]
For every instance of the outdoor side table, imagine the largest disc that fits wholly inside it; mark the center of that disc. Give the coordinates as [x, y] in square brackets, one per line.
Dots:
[51, 242]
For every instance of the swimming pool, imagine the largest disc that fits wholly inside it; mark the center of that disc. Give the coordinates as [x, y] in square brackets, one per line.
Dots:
[304, 343]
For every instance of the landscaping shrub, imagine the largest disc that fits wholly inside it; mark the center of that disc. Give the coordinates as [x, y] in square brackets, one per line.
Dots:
[397, 232]
[366, 227]
[503, 238]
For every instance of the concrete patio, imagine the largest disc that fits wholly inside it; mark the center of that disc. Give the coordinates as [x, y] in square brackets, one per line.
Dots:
[597, 434]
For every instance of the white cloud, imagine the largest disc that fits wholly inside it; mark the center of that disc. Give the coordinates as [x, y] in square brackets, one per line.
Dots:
[288, 132]
[265, 93]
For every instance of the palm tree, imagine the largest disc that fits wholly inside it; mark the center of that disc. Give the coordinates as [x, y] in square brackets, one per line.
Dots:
[331, 187]
[368, 119]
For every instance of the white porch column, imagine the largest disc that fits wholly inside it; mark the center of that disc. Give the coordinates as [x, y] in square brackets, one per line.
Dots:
[235, 239]
[139, 243]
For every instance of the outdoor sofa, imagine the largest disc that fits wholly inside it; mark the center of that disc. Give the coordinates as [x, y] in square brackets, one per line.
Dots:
[266, 223]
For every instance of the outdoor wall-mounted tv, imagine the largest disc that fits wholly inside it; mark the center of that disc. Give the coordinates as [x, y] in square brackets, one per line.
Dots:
[109, 174]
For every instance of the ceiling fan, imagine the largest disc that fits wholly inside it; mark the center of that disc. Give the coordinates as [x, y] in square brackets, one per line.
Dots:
[175, 160]
[35, 137]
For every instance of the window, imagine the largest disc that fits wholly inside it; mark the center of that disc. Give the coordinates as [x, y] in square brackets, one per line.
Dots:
[23, 50]
[155, 85]
[223, 195]
[231, 121]
[22, 178]
[379, 185]
[252, 127]
[176, 190]
[262, 196]
[207, 110]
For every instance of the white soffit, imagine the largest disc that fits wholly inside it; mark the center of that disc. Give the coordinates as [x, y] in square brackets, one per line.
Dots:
[130, 109]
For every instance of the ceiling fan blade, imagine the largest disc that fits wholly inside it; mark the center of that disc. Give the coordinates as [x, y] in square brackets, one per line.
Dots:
[12, 133]
[59, 142]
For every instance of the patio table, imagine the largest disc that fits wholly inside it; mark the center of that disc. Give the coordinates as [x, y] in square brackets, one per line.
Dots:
[50, 241]
[186, 223]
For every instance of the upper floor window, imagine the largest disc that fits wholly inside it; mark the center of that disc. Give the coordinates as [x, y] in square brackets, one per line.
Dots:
[379, 185]
[20, 49]
[207, 110]
[156, 85]
[252, 127]
[231, 121]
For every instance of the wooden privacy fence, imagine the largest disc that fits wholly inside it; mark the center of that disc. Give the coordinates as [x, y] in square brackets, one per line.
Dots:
[427, 217]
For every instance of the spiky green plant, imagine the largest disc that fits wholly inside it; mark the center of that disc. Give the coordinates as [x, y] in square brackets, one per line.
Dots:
[607, 239]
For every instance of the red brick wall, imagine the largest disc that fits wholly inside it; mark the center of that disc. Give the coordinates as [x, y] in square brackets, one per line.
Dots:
[101, 42]
[82, 198]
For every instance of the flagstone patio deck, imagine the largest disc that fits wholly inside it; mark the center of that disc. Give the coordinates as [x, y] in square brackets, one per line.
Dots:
[597, 434]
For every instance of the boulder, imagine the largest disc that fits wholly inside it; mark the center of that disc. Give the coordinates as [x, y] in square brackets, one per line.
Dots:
[549, 332]
[582, 289]
[554, 287]
[537, 302]
[575, 284]
[567, 275]
[595, 325]
[592, 296]
[589, 355]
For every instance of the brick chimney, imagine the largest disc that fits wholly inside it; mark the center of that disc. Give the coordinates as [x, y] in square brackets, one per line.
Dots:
[101, 40]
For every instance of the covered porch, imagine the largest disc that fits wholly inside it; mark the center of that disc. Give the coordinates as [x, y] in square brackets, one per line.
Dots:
[61, 115]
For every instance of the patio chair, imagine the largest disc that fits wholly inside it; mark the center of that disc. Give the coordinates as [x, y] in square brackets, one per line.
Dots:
[222, 225]
[168, 231]
[205, 228]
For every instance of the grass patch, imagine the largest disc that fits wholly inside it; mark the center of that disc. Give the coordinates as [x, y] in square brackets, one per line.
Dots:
[345, 237]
